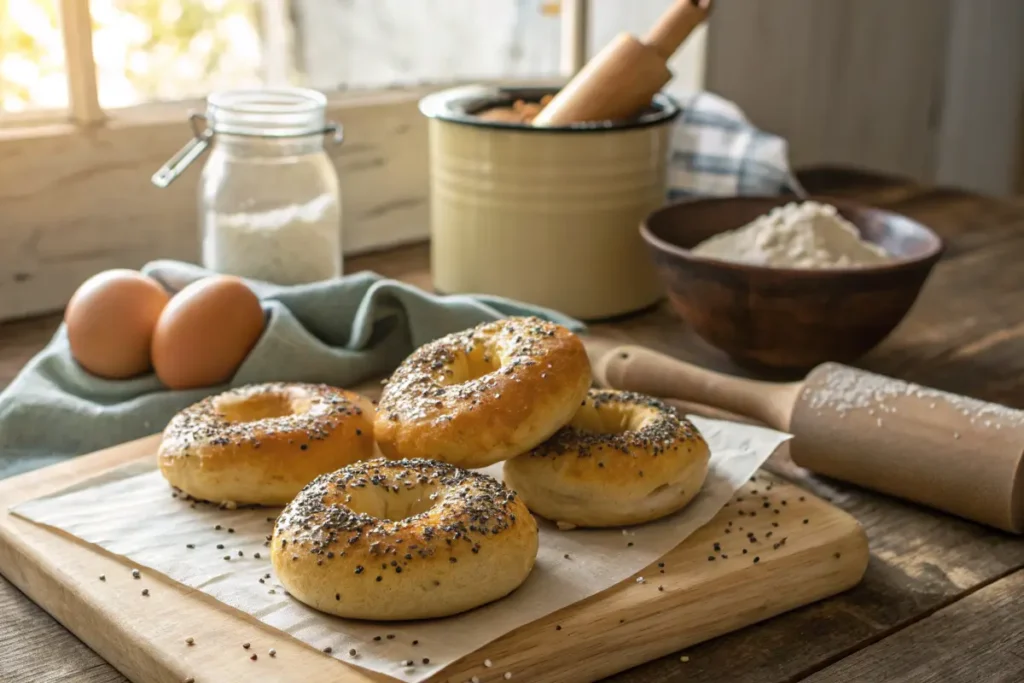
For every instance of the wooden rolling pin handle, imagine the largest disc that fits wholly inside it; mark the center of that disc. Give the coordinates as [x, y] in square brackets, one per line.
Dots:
[675, 25]
[634, 368]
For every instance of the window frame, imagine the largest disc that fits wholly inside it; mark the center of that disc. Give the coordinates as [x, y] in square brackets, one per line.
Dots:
[77, 196]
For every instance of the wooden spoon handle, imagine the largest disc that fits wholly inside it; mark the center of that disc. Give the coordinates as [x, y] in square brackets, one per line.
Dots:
[675, 25]
[635, 368]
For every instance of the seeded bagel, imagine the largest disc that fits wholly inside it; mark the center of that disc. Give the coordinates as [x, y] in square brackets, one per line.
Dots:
[403, 539]
[625, 458]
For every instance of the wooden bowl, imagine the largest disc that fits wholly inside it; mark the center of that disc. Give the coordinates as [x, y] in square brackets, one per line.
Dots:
[786, 318]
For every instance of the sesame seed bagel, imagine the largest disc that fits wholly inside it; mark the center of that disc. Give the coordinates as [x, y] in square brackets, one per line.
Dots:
[260, 444]
[391, 540]
[484, 395]
[625, 458]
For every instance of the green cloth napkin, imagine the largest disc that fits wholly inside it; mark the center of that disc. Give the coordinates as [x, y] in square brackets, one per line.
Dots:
[340, 332]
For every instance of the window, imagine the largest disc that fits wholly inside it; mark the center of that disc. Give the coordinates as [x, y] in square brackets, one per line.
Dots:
[94, 96]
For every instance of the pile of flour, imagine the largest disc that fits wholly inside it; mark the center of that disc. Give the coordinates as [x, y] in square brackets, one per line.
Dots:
[797, 235]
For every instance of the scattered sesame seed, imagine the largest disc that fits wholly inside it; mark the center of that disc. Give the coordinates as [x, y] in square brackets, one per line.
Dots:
[488, 663]
[508, 675]
[684, 659]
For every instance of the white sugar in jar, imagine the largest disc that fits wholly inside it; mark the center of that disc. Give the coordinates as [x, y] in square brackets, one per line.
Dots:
[269, 201]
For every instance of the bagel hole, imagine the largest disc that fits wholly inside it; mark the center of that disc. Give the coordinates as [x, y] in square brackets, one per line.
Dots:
[258, 407]
[608, 419]
[479, 361]
[393, 505]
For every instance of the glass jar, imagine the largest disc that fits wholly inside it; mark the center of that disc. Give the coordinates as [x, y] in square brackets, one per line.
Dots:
[269, 203]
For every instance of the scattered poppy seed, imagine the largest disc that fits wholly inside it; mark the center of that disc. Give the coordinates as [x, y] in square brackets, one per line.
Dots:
[220, 546]
[661, 564]
[227, 557]
[409, 662]
[103, 577]
[711, 558]
[352, 652]
[806, 521]
[390, 636]
[230, 530]
[135, 574]
[190, 546]
[253, 657]
[217, 528]
[630, 544]
[245, 645]
[240, 554]
[328, 649]
[376, 638]
[190, 680]
[415, 642]
[256, 555]
[145, 592]
[838, 556]
[756, 559]
[426, 660]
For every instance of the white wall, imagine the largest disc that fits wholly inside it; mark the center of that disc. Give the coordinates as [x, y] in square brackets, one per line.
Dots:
[375, 43]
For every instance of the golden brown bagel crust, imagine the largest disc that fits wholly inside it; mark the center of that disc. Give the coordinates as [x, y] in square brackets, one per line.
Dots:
[625, 458]
[403, 539]
[260, 444]
[484, 395]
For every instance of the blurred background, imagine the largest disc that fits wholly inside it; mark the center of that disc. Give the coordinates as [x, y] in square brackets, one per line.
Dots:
[926, 88]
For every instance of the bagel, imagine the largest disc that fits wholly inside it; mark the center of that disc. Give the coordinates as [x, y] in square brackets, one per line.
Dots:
[260, 444]
[625, 458]
[483, 395]
[391, 540]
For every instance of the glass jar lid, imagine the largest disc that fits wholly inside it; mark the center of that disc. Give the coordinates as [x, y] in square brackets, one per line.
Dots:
[264, 113]
[282, 112]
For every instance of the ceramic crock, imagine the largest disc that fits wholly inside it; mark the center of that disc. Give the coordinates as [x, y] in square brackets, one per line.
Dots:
[548, 216]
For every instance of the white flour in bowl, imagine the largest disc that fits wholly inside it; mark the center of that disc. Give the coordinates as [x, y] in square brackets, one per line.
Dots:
[797, 235]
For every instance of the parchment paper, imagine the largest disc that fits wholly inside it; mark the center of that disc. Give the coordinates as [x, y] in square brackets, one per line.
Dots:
[131, 512]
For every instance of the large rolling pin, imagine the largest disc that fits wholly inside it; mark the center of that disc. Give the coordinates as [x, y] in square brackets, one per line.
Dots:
[949, 452]
[620, 81]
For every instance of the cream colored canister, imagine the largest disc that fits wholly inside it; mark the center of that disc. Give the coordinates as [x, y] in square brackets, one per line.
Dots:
[549, 216]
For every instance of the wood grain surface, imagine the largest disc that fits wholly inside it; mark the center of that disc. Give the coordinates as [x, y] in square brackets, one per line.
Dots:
[965, 334]
[805, 551]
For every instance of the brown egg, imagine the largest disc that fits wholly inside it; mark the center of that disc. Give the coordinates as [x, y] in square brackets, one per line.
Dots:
[205, 333]
[110, 321]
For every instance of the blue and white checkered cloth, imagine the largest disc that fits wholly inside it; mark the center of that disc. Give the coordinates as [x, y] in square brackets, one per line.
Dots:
[717, 152]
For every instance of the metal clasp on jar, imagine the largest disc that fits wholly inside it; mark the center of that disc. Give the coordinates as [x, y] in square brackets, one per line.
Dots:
[201, 137]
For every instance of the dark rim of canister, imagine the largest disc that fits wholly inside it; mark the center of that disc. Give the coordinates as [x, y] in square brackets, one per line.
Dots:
[464, 104]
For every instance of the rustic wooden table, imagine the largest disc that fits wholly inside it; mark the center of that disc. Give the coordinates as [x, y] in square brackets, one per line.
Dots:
[940, 601]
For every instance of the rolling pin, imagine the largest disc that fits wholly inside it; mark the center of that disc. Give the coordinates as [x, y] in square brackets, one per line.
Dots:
[948, 452]
[620, 81]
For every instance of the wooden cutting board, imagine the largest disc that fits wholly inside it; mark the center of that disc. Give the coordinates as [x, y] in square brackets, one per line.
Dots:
[814, 551]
